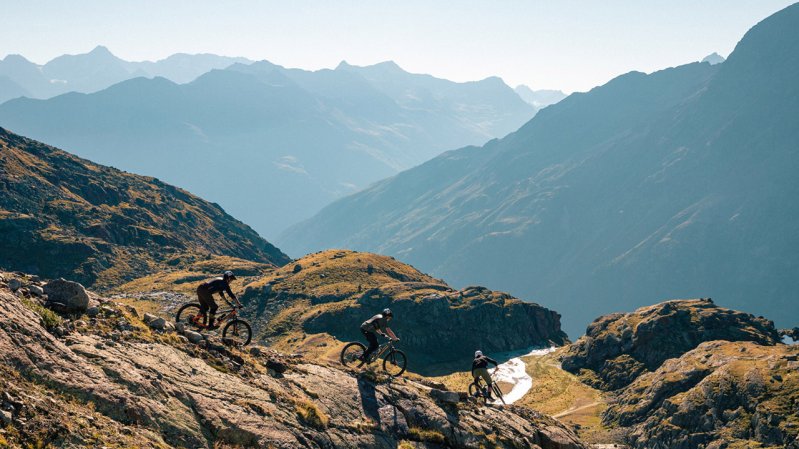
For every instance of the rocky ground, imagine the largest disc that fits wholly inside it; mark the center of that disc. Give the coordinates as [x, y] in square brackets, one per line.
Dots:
[720, 395]
[97, 375]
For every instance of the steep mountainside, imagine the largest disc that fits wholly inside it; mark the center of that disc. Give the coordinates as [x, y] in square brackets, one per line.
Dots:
[320, 300]
[98, 70]
[618, 348]
[108, 380]
[64, 216]
[272, 145]
[681, 183]
[733, 395]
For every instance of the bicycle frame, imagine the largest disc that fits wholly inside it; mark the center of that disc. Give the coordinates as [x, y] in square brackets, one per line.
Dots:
[382, 349]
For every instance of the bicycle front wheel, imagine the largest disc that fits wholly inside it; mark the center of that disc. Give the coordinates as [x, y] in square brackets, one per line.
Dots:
[190, 316]
[395, 362]
[237, 332]
[497, 392]
[352, 353]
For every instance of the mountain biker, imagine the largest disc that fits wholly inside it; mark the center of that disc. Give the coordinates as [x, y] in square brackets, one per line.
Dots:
[206, 291]
[480, 369]
[378, 324]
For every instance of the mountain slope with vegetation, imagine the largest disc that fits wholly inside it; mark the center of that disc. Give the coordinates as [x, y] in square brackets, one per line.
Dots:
[64, 216]
[319, 301]
[680, 183]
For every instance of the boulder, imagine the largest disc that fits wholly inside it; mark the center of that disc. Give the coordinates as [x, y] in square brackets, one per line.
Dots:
[36, 290]
[194, 337]
[148, 317]
[14, 284]
[157, 323]
[71, 294]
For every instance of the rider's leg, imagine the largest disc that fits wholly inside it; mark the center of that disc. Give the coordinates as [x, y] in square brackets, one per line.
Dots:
[483, 372]
[212, 307]
[202, 297]
[371, 337]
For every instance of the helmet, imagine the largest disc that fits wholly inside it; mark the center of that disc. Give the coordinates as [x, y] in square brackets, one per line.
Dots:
[478, 354]
[229, 275]
[387, 312]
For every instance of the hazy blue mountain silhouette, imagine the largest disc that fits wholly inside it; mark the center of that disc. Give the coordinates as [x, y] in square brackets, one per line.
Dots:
[539, 98]
[99, 69]
[271, 145]
[682, 183]
[9, 89]
[713, 58]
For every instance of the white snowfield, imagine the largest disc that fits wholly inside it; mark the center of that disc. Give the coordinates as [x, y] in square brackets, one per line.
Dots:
[514, 372]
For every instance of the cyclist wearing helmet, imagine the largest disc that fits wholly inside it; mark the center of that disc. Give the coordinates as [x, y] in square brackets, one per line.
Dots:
[378, 324]
[480, 369]
[206, 291]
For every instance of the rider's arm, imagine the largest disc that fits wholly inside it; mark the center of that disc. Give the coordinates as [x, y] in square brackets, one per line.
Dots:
[490, 360]
[230, 293]
[391, 333]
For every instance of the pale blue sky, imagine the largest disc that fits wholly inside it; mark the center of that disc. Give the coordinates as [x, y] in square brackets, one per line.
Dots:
[564, 44]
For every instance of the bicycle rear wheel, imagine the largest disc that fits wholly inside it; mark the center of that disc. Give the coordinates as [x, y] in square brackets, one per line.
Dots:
[497, 392]
[476, 391]
[237, 332]
[395, 362]
[351, 354]
[190, 316]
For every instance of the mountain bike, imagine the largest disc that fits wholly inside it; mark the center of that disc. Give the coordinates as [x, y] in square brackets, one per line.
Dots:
[237, 331]
[477, 389]
[394, 360]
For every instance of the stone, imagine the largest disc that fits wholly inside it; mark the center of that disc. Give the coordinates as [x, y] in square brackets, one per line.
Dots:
[257, 351]
[36, 290]
[169, 326]
[92, 312]
[451, 397]
[14, 284]
[157, 323]
[180, 327]
[148, 317]
[6, 417]
[71, 294]
[194, 337]
[277, 366]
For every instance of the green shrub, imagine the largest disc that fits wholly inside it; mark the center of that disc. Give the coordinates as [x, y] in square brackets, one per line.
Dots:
[49, 318]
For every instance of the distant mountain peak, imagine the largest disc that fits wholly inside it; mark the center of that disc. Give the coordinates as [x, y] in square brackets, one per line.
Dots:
[15, 59]
[713, 58]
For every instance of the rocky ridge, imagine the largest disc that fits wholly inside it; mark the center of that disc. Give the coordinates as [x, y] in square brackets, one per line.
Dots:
[62, 216]
[111, 380]
[619, 347]
[329, 294]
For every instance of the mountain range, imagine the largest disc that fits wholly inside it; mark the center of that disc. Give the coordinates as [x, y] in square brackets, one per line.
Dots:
[273, 145]
[95, 71]
[680, 183]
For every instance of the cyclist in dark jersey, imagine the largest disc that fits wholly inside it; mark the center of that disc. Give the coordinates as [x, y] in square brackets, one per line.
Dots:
[480, 369]
[378, 324]
[206, 291]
